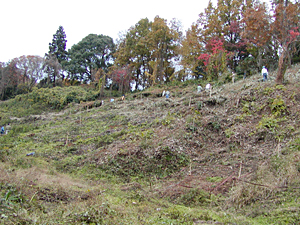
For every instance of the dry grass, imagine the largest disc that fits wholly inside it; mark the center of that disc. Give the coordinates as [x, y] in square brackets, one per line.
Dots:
[229, 157]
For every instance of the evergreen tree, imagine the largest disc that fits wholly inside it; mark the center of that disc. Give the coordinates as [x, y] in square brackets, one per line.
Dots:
[58, 46]
[91, 53]
[57, 56]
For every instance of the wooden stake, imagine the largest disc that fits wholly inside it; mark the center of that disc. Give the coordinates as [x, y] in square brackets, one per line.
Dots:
[237, 103]
[240, 172]
[67, 139]
[278, 149]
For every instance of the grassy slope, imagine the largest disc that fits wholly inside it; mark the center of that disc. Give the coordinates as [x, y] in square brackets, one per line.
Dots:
[229, 158]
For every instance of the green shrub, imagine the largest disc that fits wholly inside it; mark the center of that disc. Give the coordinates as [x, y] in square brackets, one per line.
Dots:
[278, 106]
[194, 197]
[214, 179]
[184, 215]
[48, 98]
[269, 122]
[268, 90]
[165, 161]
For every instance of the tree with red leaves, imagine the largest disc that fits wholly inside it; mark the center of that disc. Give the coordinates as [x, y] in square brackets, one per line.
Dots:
[122, 78]
[215, 60]
[221, 45]
[285, 30]
[9, 79]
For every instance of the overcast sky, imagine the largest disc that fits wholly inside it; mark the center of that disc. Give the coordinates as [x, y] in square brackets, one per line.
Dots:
[27, 26]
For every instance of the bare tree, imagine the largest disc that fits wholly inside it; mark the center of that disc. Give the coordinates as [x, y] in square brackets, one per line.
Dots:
[30, 68]
[9, 78]
[52, 68]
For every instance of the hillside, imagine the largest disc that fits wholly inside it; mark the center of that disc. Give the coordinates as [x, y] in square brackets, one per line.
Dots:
[229, 158]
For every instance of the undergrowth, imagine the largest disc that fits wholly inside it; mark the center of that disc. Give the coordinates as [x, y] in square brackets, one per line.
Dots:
[187, 160]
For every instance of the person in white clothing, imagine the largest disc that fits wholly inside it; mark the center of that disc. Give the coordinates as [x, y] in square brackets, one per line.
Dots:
[264, 73]
[199, 88]
[167, 94]
[208, 86]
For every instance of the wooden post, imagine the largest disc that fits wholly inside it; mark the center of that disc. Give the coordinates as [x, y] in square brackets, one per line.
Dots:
[80, 117]
[278, 149]
[67, 139]
[240, 172]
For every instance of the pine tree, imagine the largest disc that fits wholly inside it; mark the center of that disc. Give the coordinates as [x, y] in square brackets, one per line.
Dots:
[57, 56]
[58, 46]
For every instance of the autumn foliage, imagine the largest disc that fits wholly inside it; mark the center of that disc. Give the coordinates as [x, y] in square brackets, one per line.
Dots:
[252, 36]
[121, 78]
[232, 36]
[20, 75]
[215, 60]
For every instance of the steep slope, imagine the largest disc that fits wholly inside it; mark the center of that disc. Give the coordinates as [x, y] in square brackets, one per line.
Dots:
[235, 150]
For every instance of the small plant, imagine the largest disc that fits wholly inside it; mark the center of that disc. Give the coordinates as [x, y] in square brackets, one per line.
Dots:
[194, 197]
[248, 106]
[268, 90]
[271, 123]
[280, 87]
[229, 132]
[95, 215]
[10, 198]
[241, 117]
[215, 125]
[214, 179]
[295, 145]
[199, 105]
[167, 120]
[278, 106]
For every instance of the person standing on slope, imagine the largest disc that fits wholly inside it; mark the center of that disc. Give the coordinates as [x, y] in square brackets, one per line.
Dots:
[264, 73]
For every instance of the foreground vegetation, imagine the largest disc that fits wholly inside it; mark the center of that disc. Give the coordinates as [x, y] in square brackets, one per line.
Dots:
[232, 158]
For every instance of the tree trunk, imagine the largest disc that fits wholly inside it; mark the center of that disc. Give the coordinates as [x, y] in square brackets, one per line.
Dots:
[259, 58]
[54, 77]
[281, 67]
[102, 85]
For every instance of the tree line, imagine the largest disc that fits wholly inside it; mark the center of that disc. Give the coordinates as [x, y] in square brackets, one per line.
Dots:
[233, 36]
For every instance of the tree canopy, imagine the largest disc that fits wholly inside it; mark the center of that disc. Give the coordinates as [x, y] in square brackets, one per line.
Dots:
[58, 46]
[150, 48]
[233, 36]
[20, 75]
[91, 53]
[57, 56]
[248, 36]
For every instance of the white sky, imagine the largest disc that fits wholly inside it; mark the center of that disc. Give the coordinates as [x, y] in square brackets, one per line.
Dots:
[27, 26]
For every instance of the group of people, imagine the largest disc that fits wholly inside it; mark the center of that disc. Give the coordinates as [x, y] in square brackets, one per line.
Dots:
[264, 73]
[112, 100]
[208, 87]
